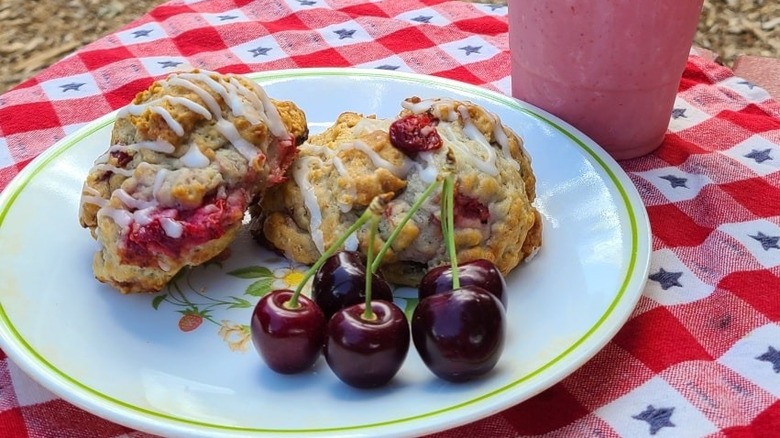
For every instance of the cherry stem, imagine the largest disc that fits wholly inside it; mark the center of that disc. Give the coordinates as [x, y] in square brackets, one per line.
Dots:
[365, 217]
[368, 313]
[373, 267]
[448, 226]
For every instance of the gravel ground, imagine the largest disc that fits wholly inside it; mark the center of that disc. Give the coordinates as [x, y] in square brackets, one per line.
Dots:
[34, 34]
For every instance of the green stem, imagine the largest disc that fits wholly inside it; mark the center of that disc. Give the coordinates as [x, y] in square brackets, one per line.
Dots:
[368, 313]
[365, 217]
[448, 217]
[416, 206]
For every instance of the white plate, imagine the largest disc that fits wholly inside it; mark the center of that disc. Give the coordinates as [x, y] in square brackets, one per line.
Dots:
[125, 358]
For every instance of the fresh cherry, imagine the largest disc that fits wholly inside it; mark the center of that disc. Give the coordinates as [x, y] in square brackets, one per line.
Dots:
[481, 272]
[341, 282]
[288, 338]
[288, 329]
[367, 352]
[459, 334]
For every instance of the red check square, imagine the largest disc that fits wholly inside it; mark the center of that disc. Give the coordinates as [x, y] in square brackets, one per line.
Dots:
[674, 227]
[659, 340]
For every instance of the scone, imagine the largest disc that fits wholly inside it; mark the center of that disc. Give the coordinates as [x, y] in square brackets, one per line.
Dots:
[186, 159]
[339, 171]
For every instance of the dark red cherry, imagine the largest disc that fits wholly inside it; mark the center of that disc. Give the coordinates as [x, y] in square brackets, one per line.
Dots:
[341, 282]
[482, 273]
[367, 353]
[459, 334]
[415, 133]
[288, 340]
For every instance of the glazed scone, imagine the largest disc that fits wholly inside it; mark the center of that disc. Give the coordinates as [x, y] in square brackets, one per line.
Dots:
[339, 171]
[186, 159]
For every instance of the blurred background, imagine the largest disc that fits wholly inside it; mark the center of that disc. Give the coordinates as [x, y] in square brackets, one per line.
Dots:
[35, 34]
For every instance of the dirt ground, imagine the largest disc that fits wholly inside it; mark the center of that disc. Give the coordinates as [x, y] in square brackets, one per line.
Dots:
[34, 34]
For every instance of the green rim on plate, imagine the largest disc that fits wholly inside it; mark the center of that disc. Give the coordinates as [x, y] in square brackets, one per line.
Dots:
[29, 173]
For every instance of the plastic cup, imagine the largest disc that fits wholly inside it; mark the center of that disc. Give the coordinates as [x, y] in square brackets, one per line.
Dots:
[611, 68]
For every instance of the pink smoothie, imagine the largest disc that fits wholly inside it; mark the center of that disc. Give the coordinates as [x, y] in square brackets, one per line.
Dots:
[609, 67]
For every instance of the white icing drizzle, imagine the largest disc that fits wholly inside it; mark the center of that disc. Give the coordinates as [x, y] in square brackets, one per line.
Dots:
[90, 190]
[122, 218]
[204, 95]
[144, 215]
[367, 125]
[272, 117]
[131, 202]
[172, 123]
[300, 173]
[159, 179]
[503, 140]
[429, 172]
[97, 200]
[118, 170]
[138, 109]
[161, 146]
[172, 228]
[245, 148]
[244, 100]
[399, 171]
[488, 165]
[194, 158]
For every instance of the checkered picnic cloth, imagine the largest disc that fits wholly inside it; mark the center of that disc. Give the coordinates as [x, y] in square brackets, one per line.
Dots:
[700, 355]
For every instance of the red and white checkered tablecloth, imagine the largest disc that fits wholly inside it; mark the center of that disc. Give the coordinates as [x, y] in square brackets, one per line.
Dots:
[700, 355]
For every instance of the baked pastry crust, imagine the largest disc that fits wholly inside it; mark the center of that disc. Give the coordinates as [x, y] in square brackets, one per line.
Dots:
[339, 171]
[186, 159]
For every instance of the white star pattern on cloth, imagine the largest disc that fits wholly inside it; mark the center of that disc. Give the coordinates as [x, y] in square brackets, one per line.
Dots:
[70, 87]
[470, 50]
[693, 288]
[748, 90]
[758, 238]
[343, 34]
[142, 34]
[259, 50]
[394, 62]
[744, 358]
[757, 153]
[298, 5]
[692, 115]
[656, 418]
[652, 402]
[772, 356]
[224, 18]
[497, 10]
[164, 65]
[435, 19]
[675, 184]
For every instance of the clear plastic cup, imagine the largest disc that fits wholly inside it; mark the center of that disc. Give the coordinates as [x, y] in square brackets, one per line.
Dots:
[611, 68]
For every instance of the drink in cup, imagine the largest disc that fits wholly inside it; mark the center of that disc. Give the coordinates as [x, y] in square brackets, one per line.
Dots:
[611, 68]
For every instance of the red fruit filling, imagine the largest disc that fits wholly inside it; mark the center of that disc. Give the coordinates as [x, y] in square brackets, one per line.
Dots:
[415, 133]
[121, 157]
[281, 155]
[144, 242]
[469, 212]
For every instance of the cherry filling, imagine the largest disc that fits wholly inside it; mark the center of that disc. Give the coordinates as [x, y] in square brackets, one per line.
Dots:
[280, 157]
[185, 230]
[469, 212]
[415, 133]
[122, 158]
